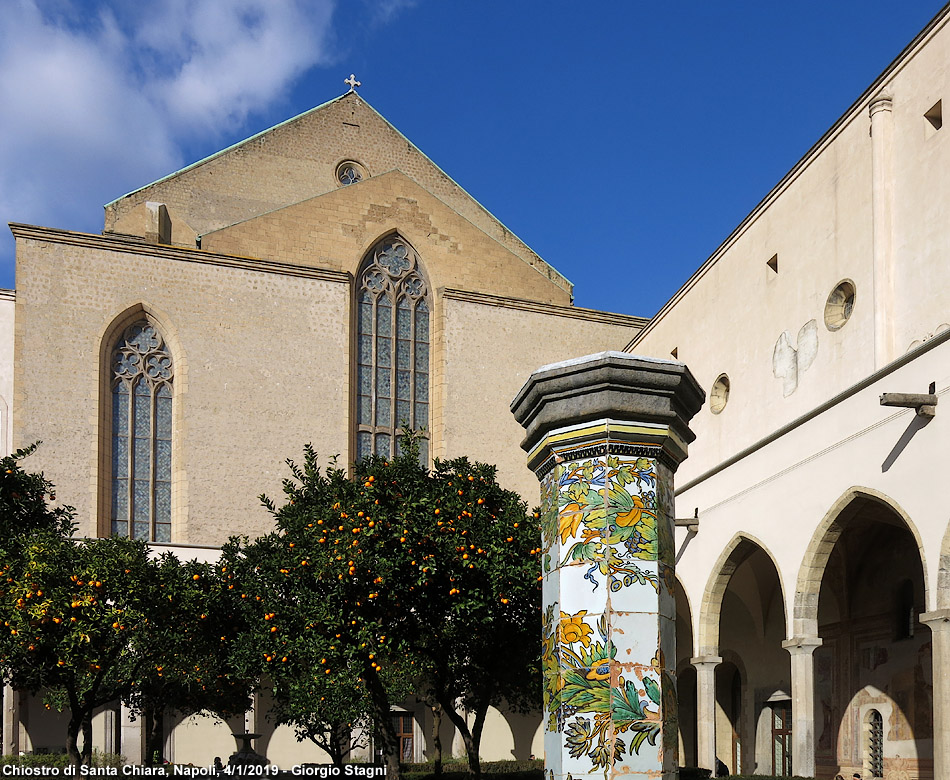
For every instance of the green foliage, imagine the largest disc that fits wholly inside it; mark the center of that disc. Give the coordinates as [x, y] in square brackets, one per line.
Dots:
[61, 760]
[396, 579]
[69, 608]
[95, 620]
[183, 647]
[532, 769]
[23, 507]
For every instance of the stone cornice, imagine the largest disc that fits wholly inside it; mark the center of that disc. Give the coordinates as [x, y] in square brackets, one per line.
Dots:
[137, 246]
[573, 312]
[655, 399]
[7, 295]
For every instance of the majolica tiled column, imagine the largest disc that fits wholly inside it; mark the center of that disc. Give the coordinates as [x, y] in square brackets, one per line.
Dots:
[604, 435]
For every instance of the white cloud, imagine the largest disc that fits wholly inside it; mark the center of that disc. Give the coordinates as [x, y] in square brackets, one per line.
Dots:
[99, 99]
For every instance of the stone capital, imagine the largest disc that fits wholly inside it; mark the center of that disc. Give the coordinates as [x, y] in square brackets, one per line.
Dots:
[799, 645]
[936, 620]
[706, 660]
[880, 103]
[610, 398]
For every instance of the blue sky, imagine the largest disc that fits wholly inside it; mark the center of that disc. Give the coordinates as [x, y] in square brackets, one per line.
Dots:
[623, 141]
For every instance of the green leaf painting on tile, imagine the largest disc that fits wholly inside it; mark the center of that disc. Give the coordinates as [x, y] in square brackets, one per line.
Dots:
[588, 695]
[604, 512]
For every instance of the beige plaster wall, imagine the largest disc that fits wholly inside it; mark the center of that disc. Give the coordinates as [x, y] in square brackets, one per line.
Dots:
[337, 229]
[819, 222]
[261, 367]
[783, 494]
[490, 351]
[295, 161]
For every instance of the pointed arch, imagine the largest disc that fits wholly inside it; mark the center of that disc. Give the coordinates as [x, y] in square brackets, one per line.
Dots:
[392, 310]
[739, 548]
[808, 587]
[141, 374]
[684, 613]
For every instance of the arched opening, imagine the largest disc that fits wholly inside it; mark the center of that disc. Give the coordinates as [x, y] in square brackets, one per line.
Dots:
[755, 675]
[873, 678]
[685, 679]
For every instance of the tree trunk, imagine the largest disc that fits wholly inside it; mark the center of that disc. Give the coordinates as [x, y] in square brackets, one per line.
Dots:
[72, 737]
[86, 754]
[437, 738]
[154, 736]
[382, 717]
[480, 712]
[472, 738]
[471, 747]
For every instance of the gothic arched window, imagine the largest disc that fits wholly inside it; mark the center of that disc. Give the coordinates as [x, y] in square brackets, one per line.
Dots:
[392, 334]
[141, 383]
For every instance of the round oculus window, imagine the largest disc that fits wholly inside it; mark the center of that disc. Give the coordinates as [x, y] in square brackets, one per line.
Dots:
[719, 394]
[349, 173]
[839, 305]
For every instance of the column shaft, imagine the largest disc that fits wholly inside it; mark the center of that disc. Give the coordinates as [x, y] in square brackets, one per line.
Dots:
[802, 651]
[11, 721]
[604, 435]
[882, 196]
[132, 737]
[706, 710]
[939, 623]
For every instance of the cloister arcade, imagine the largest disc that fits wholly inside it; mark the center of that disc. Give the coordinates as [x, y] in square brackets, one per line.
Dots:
[842, 668]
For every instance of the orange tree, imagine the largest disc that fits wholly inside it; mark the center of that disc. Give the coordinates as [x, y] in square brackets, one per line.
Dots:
[23, 504]
[69, 609]
[301, 640]
[395, 579]
[183, 646]
[318, 631]
[477, 597]
[96, 620]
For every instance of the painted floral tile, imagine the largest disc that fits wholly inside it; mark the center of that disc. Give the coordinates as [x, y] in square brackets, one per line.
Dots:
[631, 487]
[552, 752]
[582, 587]
[641, 595]
[551, 588]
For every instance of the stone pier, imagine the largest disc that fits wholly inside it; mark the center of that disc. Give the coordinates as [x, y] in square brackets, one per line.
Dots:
[604, 435]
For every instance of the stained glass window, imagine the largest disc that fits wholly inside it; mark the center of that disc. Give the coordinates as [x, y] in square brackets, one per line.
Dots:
[349, 174]
[141, 435]
[392, 347]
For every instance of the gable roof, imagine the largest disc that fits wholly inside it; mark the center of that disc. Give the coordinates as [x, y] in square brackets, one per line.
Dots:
[296, 160]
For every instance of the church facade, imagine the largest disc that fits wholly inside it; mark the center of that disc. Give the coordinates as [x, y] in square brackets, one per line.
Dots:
[324, 281]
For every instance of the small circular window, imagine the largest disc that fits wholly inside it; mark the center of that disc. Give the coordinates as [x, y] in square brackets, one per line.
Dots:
[839, 305]
[719, 394]
[349, 172]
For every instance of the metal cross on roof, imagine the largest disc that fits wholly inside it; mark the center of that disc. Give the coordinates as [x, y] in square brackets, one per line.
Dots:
[352, 82]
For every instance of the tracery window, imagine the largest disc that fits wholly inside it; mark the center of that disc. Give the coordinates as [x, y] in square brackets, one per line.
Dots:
[142, 376]
[392, 374]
